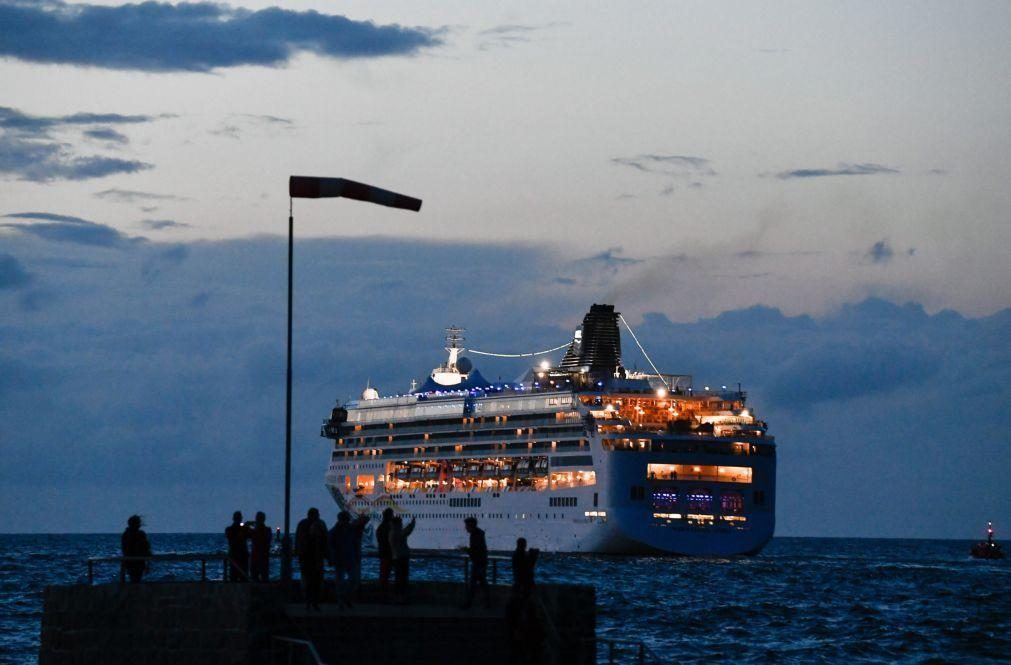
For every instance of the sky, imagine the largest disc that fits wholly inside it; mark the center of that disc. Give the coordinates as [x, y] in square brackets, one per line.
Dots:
[807, 198]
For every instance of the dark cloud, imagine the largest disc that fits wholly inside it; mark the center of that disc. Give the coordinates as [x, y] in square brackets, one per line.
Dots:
[163, 259]
[670, 165]
[12, 274]
[842, 169]
[197, 37]
[42, 162]
[106, 134]
[839, 371]
[65, 228]
[852, 396]
[133, 196]
[38, 126]
[163, 224]
[609, 259]
[880, 252]
[28, 152]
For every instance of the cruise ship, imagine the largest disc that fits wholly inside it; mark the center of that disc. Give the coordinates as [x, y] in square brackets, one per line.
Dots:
[579, 456]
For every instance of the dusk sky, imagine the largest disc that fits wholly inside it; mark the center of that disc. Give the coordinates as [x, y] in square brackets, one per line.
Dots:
[808, 198]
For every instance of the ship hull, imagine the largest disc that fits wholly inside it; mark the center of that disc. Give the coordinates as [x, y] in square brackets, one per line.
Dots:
[620, 513]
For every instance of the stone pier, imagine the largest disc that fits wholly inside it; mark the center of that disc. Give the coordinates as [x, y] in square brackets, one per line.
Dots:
[220, 623]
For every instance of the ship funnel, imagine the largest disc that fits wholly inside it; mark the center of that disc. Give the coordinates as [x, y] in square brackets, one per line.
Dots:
[596, 346]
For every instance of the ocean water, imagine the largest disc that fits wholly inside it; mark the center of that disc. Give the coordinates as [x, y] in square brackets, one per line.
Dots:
[802, 600]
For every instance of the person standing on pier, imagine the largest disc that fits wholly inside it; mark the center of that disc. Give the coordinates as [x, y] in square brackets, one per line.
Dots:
[261, 536]
[238, 553]
[478, 551]
[523, 568]
[345, 546]
[384, 551]
[401, 555]
[310, 547]
[135, 544]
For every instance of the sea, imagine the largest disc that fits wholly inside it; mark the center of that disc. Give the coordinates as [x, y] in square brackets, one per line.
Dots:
[802, 600]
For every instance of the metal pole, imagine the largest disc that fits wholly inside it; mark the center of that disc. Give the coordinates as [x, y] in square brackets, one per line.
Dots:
[286, 542]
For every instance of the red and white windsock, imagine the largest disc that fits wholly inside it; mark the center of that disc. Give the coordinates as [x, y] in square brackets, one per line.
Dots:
[310, 187]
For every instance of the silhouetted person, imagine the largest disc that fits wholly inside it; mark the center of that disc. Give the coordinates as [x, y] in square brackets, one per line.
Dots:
[384, 551]
[237, 534]
[134, 544]
[401, 553]
[345, 547]
[525, 620]
[523, 568]
[478, 551]
[310, 547]
[261, 537]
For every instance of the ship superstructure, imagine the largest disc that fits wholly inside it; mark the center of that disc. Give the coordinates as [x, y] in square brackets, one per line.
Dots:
[580, 456]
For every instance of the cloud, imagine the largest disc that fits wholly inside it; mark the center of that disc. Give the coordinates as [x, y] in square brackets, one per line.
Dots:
[65, 228]
[842, 169]
[163, 259]
[38, 126]
[43, 162]
[133, 196]
[163, 224]
[195, 37]
[505, 36]
[238, 123]
[670, 165]
[880, 252]
[28, 151]
[851, 396]
[106, 134]
[12, 274]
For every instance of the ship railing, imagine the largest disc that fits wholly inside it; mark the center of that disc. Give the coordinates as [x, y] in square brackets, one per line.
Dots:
[513, 423]
[288, 646]
[220, 557]
[616, 651]
[173, 557]
[460, 556]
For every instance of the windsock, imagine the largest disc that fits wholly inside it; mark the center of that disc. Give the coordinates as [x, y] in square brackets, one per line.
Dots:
[309, 187]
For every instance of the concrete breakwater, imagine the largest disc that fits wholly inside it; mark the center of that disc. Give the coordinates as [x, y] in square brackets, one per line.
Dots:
[222, 623]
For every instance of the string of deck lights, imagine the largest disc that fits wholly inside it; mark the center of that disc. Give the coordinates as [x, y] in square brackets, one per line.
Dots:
[518, 355]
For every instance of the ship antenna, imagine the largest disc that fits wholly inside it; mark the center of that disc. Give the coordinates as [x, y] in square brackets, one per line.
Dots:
[644, 354]
[454, 345]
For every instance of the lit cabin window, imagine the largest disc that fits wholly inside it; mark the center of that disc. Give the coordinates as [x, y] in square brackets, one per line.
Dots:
[699, 501]
[732, 503]
[365, 483]
[706, 472]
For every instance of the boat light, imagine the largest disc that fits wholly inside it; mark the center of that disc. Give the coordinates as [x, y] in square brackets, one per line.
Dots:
[661, 392]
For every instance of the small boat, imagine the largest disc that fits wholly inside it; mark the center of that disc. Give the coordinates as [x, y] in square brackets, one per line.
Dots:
[987, 549]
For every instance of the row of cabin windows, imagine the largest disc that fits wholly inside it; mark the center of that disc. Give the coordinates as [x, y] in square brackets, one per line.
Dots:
[408, 439]
[696, 499]
[500, 516]
[467, 448]
[441, 422]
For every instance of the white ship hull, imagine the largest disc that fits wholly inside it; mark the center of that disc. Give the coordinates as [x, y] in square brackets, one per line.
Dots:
[605, 518]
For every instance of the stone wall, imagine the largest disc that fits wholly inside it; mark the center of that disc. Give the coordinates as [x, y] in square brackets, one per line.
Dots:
[226, 624]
